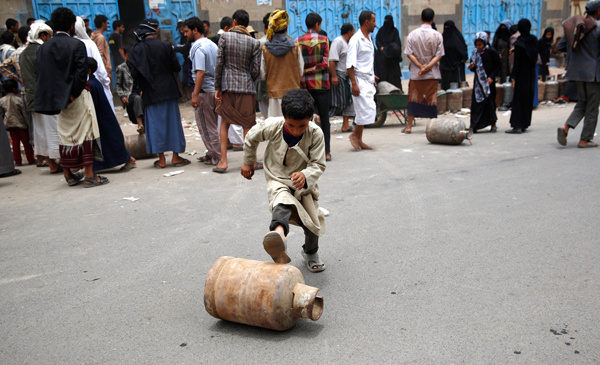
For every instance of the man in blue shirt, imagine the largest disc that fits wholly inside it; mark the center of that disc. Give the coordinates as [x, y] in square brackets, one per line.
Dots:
[583, 66]
[203, 55]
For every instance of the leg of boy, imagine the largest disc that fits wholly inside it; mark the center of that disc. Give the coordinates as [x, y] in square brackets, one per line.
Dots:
[310, 247]
[274, 241]
[16, 145]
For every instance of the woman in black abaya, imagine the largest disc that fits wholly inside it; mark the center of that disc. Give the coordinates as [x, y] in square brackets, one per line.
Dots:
[452, 64]
[389, 53]
[523, 74]
[501, 44]
[544, 48]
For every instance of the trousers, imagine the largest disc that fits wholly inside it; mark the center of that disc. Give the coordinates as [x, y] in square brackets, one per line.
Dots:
[322, 100]
[281, 216]
[586, 109]
[21, 136]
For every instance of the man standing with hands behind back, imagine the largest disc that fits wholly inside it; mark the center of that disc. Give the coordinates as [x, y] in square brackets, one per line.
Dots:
[424, 48]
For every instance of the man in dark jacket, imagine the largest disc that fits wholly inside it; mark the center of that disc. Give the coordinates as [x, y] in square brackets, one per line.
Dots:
[62, 71]
[153, 67]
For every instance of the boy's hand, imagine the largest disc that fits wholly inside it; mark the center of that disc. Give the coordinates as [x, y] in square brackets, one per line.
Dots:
[298, 179]
[248, 171]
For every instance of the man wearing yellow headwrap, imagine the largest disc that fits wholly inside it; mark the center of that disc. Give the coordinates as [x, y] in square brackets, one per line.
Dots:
[280, 56]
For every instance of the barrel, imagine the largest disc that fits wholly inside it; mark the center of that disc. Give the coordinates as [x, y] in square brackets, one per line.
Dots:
[262, 294]
[446, 131]
[552, 91]
[467, 93]
[455, 100]
[442, 102]
[136, 145]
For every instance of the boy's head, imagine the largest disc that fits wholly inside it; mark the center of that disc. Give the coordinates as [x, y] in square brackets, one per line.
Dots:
[10, 86]
[22, 33]
[7, 38]
[101, 22]
[92, 65]
[297, 107]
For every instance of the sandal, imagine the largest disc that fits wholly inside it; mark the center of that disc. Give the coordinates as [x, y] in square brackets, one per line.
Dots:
[219, 170]
[75, 178]
[317, 265]
[12, 173]
[58, 170]
[405, 131]
[182, 163]
[561, 136]
[275, 246]
[128, 166]
[204, 158]
[158, 166]
[95, 181]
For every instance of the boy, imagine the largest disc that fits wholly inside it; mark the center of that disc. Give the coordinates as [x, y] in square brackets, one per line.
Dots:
[294, 161]
[14, 113]
[129, 93]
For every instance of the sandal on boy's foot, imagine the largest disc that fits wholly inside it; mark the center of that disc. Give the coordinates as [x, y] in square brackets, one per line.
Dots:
[275, 246]
[158, 166]
[182, 163]
[74, 178]
[561, 136]
[12, 173]
[97, 180]
[219, 170]
[317, 265]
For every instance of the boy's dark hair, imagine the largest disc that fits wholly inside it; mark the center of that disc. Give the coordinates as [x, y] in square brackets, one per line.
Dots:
[10, 22]
[30, 20]
[22, 33]
[9, 85]
[62, 19]
[7, 37]
[99, 20]
[195, 23]
[226, 22]
[242, 17]
[92, 64]
[297, 104]
[116, 24]
[427, 15]
[312, 20]
[266, 20]
[364, 16]
[347, 28]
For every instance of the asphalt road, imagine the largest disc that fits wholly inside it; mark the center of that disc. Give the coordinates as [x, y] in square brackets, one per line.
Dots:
[482, 254]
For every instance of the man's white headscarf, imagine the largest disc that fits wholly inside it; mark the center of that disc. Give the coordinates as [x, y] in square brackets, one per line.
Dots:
[80, 31]
[38, 27]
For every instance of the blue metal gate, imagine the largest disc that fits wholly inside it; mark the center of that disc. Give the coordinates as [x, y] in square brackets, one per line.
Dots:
[337, 12]
[169, 12]
[481, 15]
[90, 8]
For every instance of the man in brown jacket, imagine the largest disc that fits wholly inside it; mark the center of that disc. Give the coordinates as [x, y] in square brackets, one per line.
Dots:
[101, 22]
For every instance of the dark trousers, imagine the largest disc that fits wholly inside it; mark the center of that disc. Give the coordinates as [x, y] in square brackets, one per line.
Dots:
[281, 216]
[586, 109]
[18, 136]
[322, 102]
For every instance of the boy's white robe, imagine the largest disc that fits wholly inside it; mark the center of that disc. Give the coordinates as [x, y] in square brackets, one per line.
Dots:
[308, 156]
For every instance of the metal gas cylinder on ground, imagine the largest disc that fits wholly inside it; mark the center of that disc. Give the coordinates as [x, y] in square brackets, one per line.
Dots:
[467, 93]
[551, 90]
[442, 102]
[136, 145]
[446, 131]
[262, 294]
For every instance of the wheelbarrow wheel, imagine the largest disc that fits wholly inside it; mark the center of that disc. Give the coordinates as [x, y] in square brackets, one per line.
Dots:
[380, 117]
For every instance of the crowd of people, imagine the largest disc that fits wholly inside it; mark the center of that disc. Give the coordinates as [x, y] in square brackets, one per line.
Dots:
[58, 80]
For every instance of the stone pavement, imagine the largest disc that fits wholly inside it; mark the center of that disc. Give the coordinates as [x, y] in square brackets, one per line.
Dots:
[435, 254]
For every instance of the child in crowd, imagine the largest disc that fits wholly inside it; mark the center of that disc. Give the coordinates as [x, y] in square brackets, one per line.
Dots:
[485, 63]
[14, 113]
[129, 93]
[294, 160]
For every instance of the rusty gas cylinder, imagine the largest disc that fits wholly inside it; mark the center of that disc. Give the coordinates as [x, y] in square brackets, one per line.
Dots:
[467, 94]
[541, 90]
[136, 145]
[499, 96]
[442, 102]
[446, 131]
[551, 90]
[455, 100]
[262, 294]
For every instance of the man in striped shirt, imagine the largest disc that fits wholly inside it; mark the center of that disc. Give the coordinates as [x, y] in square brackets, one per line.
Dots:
[315, 50]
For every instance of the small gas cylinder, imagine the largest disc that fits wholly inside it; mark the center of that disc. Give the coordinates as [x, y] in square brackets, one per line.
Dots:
[446, 131]
[442, 102]
[467, 93]
[455, 100]
[262, 294]
[136, 145]
[541, 90]
[551, 90]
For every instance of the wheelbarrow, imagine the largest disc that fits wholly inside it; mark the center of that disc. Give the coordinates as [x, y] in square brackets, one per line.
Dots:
[390, 102]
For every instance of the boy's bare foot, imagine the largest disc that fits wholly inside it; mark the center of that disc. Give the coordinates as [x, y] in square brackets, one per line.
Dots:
[364, 146]
[274, 244]
[355, 142]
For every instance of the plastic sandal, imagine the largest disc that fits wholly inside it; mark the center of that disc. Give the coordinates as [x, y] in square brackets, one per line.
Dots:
[97, 180]
[75, 178]
[275, 246]
[316, 262]
[182, 163]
